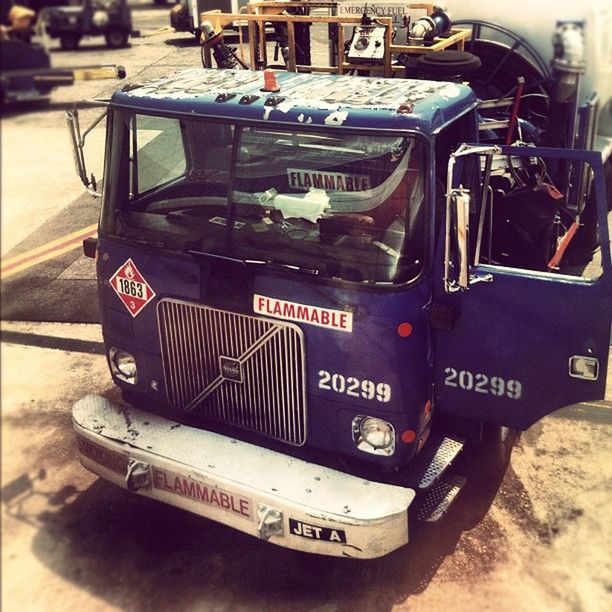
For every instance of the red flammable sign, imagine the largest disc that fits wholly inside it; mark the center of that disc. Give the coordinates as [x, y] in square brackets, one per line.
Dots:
[131, 287]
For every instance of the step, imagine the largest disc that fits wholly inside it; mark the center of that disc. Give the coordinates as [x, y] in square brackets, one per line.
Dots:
[438, 498]
[432, 461]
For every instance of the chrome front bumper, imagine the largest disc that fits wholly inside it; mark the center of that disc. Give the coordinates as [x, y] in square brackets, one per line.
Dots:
[278, 498]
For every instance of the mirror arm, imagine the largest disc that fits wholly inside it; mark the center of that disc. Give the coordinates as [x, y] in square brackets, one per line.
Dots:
[477, 278]
[78, 145]
[92, 126]
[483, 207]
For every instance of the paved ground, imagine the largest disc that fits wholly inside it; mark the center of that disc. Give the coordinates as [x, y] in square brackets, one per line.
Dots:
[541, 540]
[42, 196]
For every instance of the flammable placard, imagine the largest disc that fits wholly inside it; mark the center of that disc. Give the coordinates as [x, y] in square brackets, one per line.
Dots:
[131, 287]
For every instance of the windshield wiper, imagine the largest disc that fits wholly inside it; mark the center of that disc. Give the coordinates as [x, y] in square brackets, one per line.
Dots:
[279, 265]
[272, 264]
[190, 209]
[158, 244]
[296, 272]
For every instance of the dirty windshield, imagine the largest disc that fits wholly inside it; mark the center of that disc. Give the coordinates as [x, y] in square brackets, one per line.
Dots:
[331, 203]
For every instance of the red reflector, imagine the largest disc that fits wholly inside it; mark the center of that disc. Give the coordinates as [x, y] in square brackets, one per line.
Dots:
[427, 406]
[404, 330]
[408, 436]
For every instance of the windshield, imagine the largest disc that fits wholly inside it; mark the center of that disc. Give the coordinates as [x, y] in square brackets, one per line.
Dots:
[336, 204]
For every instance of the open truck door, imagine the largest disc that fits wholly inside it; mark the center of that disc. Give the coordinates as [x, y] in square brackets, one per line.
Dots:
[522, 318]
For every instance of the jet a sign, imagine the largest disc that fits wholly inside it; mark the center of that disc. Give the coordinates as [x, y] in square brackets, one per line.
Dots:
[313, 532]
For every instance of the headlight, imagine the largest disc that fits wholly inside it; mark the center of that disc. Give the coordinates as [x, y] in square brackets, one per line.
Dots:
[373, 435]
[123, 365]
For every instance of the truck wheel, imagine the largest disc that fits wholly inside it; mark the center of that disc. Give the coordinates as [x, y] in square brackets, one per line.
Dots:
[70, 41]
[485, 458]
[116, 38]
[496, 447]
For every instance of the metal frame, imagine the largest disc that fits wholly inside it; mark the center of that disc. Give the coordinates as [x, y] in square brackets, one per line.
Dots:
[259, 13]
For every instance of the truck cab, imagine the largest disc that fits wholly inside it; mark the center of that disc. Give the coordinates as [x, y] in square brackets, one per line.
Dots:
[313, 293]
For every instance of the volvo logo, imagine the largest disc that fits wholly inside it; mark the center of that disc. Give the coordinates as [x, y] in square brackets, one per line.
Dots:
[231, 369]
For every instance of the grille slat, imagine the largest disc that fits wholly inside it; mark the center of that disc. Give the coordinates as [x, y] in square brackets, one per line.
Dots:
[267, 356]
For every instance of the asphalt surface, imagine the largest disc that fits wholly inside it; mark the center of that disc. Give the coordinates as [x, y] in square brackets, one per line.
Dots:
[61, 289]
[42, 196]
[536, 537]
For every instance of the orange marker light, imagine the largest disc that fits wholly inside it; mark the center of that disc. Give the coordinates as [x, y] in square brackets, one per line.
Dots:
[270, 83]
[404, 330]
[408, 436]
[427, 406]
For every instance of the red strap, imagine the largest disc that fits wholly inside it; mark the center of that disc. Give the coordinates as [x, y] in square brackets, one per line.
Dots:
[563, 244]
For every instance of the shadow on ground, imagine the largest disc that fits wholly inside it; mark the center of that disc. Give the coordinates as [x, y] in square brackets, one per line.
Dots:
[136, 554]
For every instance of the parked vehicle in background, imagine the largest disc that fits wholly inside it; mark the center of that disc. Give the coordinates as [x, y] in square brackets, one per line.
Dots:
[111, 19]
[185, 15]
[26, 73]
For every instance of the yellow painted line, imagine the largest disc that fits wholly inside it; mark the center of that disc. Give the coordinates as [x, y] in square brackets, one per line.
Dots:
[47, 251]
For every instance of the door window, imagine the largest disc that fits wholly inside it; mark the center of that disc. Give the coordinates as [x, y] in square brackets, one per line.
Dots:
[533, 213]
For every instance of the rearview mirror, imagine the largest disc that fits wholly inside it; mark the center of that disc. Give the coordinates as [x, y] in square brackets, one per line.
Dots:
[78, 146]
[456, 264]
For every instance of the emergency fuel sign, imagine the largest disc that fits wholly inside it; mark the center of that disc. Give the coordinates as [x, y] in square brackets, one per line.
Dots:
[131, 287]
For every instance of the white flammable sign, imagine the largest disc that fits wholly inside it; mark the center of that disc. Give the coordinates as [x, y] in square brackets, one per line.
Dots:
[313, 315]
[330, 181]
[398, 10]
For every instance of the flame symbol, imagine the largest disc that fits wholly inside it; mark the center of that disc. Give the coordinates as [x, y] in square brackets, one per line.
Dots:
[129, 271]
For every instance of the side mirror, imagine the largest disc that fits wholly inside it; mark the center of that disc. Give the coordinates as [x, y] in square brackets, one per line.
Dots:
[90, 246]
[78, 144]
[456, 263]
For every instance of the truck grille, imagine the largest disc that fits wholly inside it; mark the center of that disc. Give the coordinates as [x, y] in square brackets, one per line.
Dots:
[234, 368]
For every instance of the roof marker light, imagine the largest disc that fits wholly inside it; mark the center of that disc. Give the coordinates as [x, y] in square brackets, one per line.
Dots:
[270, 83]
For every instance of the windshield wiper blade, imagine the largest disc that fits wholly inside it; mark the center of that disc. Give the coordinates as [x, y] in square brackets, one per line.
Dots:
[279, 265]
[142, 241]
[271, 263]
[193, 210]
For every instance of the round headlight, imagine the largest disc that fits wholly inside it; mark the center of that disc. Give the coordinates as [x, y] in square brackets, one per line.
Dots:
[376, 432]
[123, 364]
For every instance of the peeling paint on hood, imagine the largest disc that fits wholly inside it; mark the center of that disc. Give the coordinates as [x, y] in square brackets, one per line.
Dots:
[319, 99]
[336, 118]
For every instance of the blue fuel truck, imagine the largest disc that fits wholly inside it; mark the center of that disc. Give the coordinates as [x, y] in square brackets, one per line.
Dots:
[317, 289]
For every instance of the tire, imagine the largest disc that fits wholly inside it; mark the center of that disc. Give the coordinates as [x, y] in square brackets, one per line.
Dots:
[70, 41]
[116, 38]
[496, 447]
